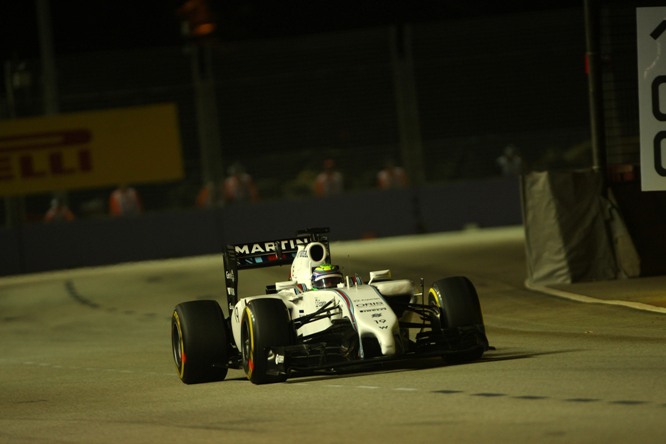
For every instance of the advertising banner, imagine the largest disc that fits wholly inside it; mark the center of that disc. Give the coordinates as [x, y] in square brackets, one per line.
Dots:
[651, 39]
[90, 149]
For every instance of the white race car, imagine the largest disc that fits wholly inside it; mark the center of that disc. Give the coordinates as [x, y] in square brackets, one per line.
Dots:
[321, 320]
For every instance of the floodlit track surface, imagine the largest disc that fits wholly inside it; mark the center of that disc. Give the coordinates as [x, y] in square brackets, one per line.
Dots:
[85, 356]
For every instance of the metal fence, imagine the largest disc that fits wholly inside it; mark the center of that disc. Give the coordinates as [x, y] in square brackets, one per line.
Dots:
[282, 106]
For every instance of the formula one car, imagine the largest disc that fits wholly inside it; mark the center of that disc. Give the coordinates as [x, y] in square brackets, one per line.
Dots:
[320, 320]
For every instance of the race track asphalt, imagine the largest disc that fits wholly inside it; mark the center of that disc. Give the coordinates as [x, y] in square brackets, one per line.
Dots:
[647, 293]
[85, 357]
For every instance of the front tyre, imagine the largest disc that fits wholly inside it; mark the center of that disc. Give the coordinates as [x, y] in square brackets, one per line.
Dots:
[460, 310]
[265, 323]
[199, 342]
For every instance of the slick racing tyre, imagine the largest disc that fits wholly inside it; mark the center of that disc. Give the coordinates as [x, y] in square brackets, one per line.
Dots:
[199, 342]
[265, 323]
[459, 306]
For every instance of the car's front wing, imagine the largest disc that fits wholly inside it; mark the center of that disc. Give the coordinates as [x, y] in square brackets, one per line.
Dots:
[322, 356]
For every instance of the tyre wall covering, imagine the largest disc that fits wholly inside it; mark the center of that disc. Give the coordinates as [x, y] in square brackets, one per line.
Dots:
[573, 233]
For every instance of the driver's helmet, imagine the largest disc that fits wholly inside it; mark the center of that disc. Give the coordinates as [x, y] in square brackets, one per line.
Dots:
[326, 276]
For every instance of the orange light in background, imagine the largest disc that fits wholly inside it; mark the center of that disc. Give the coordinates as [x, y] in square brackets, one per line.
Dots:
[198, 18]
[203, 29]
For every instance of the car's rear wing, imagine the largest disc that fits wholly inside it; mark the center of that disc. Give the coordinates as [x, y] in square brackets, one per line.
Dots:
[238, 257]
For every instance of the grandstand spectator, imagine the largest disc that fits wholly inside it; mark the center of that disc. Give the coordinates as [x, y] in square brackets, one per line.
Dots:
[392, 176]
[239, 186]
[510, 162]
[125, 201]
[329, 182]
[210, 195]
[59, 211]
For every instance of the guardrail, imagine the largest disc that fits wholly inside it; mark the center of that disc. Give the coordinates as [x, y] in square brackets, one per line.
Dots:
[373, 213]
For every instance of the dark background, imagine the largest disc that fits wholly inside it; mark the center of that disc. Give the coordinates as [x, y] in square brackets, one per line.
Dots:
[488, 73]
[85, 25]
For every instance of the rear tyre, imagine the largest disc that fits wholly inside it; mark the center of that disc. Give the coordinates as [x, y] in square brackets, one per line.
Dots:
[199, 342]
[459, 306]
[265, 323]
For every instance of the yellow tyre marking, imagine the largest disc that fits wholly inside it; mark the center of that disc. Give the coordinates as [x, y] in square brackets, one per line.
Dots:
[181, 370]
[250, 361]
[434, 296]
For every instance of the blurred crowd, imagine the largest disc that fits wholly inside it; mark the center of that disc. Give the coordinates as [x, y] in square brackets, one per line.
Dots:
[239, 187]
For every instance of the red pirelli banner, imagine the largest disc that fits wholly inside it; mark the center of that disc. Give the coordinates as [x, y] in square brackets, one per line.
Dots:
[90, 149]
